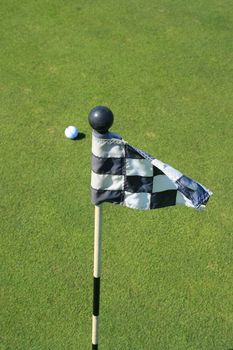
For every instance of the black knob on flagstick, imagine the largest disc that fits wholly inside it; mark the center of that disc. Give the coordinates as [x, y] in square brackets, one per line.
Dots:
[101, 119]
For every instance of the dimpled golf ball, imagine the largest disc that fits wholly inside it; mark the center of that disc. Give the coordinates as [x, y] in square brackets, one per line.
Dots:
[71, 132]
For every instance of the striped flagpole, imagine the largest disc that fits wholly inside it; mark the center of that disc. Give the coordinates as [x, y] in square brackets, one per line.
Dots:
[96, 275]
[101, 119]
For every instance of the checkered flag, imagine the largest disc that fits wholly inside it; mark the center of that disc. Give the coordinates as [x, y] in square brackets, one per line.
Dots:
[123, 174]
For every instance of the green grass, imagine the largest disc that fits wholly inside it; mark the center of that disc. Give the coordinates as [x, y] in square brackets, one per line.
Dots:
[165, 69]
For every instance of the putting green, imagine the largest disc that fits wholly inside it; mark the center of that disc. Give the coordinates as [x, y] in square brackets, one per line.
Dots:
[165, 69]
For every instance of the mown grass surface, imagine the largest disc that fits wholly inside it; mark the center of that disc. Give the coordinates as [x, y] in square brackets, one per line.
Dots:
[165, 69]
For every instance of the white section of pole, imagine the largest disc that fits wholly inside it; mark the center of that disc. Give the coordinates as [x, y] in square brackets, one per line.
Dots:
[97, 240]
[95, 330]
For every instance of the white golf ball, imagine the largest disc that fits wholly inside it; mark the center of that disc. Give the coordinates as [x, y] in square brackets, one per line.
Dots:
[71, 132]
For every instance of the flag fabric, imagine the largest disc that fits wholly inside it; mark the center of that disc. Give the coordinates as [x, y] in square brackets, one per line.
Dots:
[125, 175]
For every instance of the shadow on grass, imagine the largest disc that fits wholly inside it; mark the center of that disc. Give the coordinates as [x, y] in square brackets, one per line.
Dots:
[80, 136]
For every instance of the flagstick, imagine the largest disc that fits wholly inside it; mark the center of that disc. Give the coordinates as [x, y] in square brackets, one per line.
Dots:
[101, 119]
[96, 275]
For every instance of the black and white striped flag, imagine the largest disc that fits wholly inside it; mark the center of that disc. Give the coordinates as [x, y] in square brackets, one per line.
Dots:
[123, 174]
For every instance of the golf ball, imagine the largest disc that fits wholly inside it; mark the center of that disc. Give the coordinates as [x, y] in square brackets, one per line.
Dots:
[71, 132]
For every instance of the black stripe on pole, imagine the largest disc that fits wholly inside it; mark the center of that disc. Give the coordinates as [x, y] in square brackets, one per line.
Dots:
[96, 296]
[94, 346]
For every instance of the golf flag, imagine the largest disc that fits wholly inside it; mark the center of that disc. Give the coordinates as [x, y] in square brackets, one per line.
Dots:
[125, 175]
